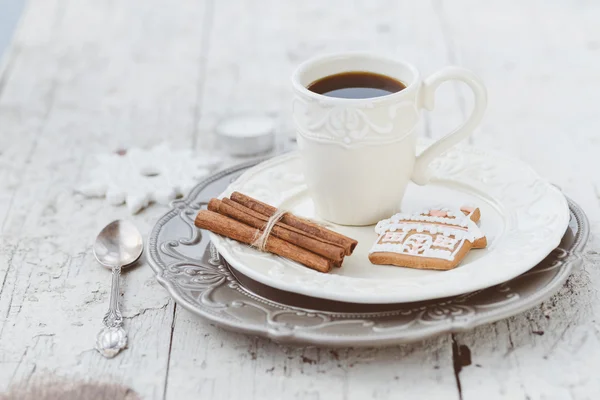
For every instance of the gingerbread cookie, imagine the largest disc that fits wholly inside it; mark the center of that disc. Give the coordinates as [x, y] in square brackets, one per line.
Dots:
[433, 239]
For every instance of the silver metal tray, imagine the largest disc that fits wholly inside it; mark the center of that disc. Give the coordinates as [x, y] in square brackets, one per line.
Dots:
[190, 268]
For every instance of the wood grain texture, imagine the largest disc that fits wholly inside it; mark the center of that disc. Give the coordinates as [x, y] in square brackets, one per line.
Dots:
[85, 77]
[539, 75]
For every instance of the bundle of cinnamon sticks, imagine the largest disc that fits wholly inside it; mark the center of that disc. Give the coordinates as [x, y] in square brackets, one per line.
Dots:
[244, 219]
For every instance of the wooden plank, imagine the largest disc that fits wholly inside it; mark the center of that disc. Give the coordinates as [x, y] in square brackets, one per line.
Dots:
[84, 78]
[208, 362]
[249, 62]
[535, 58]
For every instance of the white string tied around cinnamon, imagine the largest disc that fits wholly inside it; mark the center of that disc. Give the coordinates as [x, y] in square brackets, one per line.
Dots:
[261, 241]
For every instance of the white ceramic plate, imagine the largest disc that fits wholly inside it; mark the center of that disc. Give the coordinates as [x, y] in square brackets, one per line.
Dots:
[523, 217]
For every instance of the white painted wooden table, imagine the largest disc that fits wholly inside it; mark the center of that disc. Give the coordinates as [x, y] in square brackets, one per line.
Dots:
[88, 76]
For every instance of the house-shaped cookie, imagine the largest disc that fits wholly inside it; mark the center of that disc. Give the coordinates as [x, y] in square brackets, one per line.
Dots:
[433, 239]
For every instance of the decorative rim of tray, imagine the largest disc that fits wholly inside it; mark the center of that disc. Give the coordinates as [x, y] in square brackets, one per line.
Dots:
[198, 279]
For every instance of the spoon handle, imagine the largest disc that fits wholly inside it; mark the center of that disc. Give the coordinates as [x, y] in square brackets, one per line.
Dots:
[113, 317]
[112, 338]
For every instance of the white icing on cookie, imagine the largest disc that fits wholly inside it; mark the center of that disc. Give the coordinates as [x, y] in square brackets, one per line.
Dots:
[448, 229]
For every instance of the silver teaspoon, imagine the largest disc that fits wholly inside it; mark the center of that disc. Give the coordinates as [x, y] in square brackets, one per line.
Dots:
[117, 246]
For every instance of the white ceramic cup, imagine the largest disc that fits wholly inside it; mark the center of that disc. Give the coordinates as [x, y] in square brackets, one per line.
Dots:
[359, 154]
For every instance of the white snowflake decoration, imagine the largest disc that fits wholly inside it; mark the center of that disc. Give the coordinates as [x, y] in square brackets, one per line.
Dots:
[140, 177]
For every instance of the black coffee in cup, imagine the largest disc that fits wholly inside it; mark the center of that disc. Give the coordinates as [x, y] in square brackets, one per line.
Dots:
[356, 85]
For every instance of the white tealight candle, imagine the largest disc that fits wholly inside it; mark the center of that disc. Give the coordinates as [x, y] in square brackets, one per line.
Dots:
[246, 135]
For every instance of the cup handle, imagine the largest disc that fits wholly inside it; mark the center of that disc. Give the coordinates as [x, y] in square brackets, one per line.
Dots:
[421, 173]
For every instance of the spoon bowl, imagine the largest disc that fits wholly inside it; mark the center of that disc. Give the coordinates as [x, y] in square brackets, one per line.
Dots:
[118, 244]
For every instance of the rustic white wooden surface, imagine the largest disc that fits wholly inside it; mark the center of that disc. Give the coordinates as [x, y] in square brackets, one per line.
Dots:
[86, 76]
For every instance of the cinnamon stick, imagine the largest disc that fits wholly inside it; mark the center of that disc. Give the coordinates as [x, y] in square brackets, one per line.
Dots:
[241, 232]
[283, 231]
[300, 223]
[266, 219]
